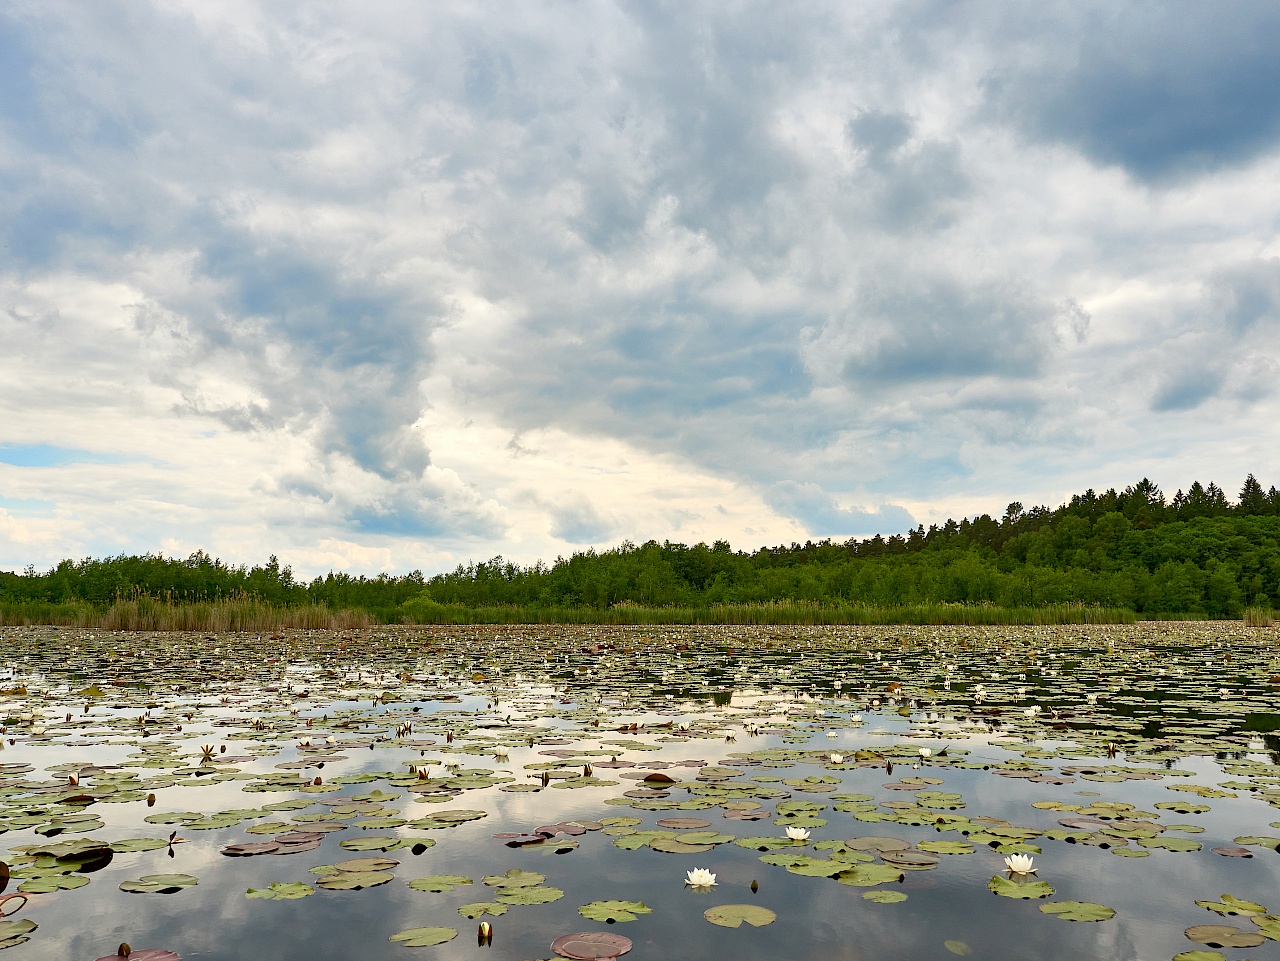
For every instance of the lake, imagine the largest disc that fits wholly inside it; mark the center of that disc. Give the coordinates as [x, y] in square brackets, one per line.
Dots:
[367, 794]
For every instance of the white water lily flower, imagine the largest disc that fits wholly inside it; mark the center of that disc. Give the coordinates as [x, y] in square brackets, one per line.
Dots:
[700, 878]
[1020, 864]
[501, 751]
[926, 752]
[797, 834]
[836, 758]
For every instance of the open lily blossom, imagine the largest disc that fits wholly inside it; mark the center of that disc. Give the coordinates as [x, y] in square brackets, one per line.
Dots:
[836, 758]
[501, 751]
[699, 878]
[926, 753]
[797, 834]
[1020, 864]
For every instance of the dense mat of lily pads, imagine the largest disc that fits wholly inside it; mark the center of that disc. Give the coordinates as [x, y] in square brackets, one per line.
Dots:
[585, 792]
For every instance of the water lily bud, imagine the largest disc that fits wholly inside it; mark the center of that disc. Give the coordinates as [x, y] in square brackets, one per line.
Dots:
[124, 950]
[484, 934]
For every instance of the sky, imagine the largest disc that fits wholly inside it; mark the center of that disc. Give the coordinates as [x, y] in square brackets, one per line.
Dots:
[399, 285]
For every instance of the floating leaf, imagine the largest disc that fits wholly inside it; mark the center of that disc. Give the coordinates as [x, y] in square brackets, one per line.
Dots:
[1079, 910]
[884, 897]
[869, 875]
[958, 947]
[733, 915]
[439, 883]
[1232, 905]
[479, 909]
[538, 894]
[15, 932]
[611, 911]
[1224, 936]
[514, 878]
[159, 884]
[1015, 889]
[591, 945]
[281, 891]
[424, 937]
[354, 880]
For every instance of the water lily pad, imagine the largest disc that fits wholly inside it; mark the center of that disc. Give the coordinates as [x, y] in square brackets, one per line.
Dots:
[884, 897]
[159, 884]
[1025, 890]
[134, 845]
[478, 909]
[591, 945]
[354, 880]
[514, 878]
[958, 947]
[733, 915]
[423, 937]
[1078, 910]
[1199, 956]
[439, 883]
[611, 911]
[13, 933]
[281, 891]
[538, 894]
[1229, 904]
[1225, 936]
[869, 875]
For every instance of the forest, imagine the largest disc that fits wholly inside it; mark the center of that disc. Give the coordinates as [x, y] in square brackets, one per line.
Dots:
[1132, 552]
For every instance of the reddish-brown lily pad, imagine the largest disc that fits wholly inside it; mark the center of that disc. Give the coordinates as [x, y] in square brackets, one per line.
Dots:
[590, 945]
[146, 954]
[251, 849]
[1233, 852]
[1224, 936]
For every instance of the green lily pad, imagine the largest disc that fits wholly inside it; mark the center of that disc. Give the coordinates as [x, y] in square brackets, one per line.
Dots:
[733, 915]
[1229, 904]
[159, 884]
[884, 897]
[439, 883]
[134, 845]
[958, 947]
[354, 880]
[281, 891]
[424, 937]
[869, 875]
[51, 883]
[538, 894]
[478, 909]
[514, 878]
[13, 933]
[1019, 889]
[611, 911]
[1079, 910]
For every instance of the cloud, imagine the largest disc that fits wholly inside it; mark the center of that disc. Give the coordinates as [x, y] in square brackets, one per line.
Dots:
[1160, 93]
[435, 282]
[822, 516]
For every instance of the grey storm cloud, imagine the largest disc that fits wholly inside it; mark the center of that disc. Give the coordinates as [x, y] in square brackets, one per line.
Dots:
[1160, 90]
[807, 250]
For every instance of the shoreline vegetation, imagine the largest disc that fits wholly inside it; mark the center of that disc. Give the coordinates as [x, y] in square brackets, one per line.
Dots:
[1110, 558]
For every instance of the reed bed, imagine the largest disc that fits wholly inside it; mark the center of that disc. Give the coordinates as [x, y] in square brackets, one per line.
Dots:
[156, 614]
[778, 612]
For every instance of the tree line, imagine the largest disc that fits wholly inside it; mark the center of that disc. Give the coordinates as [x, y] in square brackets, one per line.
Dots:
[1196, 553]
